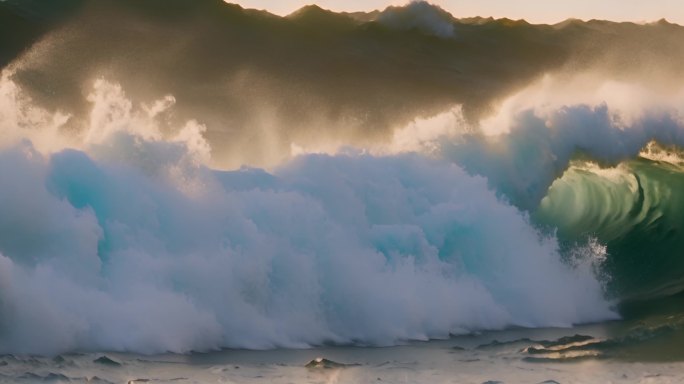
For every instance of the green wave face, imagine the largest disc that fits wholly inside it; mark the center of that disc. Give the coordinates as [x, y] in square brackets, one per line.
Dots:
[636, 209]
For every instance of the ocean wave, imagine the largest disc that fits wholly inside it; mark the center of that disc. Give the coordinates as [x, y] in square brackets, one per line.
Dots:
[129, 243]
[134, 218]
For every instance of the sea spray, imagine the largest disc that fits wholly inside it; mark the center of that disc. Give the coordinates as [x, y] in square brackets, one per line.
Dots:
[129, 243]
[532, 139]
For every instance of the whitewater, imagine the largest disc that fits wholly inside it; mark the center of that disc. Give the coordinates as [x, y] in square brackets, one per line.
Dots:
[129, 242]
[122, 237]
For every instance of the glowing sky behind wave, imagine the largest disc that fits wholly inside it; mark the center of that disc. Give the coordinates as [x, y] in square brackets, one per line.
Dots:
[538, 11]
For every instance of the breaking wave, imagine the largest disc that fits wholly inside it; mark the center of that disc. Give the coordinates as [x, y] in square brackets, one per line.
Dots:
[635, 209]
[128, 242]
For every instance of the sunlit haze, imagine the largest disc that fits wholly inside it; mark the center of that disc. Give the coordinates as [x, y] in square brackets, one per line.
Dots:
[537, 11]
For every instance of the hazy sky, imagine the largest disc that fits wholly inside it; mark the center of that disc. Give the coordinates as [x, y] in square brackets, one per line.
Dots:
[540, 11]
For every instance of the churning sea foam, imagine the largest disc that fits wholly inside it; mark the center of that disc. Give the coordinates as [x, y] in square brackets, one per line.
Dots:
[530, 141]
[124, 240]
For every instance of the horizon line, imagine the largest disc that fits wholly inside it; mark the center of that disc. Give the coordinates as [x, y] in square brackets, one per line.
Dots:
[530, 20]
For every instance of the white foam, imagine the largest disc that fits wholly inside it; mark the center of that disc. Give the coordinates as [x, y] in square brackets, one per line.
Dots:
[129, 243]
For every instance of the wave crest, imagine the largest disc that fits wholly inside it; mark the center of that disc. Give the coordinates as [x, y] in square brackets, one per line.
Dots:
[123, 244]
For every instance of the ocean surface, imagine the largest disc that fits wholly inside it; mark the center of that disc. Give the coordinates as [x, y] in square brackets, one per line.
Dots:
[195, 192]
[645, 349]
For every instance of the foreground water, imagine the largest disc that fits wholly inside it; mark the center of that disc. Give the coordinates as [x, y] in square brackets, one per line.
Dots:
[433, 362]
[644, 348]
